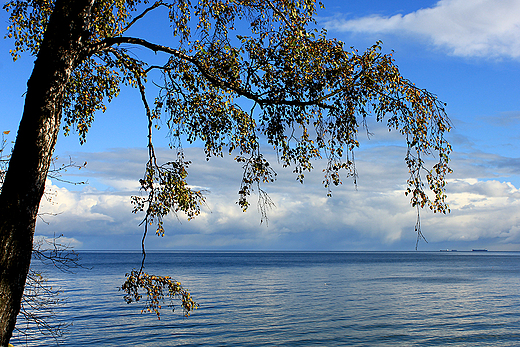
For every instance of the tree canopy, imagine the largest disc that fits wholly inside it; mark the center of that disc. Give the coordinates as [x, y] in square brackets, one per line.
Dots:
[310, 96]
[237, 75]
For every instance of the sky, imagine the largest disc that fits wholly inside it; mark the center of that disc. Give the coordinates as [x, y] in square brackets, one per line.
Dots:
[467, 52]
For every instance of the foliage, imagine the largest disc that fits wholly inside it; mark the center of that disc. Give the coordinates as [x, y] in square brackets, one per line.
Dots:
[237, 74]
[157, 288]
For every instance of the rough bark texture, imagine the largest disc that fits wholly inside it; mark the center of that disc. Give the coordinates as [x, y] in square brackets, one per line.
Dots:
[25, 179]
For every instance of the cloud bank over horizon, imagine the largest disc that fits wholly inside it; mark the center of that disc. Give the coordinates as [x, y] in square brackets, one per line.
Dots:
[465, 28]
[375, 216]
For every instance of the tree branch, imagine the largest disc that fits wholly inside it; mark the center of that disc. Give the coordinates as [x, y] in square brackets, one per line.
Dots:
[153, 7]
[216, 81]
[279, 13]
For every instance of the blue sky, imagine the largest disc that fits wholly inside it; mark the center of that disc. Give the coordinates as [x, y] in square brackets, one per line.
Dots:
[465, 51]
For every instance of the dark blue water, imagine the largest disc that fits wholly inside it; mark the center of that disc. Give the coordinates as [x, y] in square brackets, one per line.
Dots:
[301, 299]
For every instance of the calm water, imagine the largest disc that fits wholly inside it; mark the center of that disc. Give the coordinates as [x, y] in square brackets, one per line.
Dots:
[302, 299]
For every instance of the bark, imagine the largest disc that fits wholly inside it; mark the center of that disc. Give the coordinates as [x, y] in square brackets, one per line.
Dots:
[25, 179]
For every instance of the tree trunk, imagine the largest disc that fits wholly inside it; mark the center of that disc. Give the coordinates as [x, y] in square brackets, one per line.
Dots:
[25, 179]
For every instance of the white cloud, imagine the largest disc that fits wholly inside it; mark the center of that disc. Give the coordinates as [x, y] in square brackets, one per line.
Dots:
[374, 216]
[82, 205]
[480, 210]
[95, 219]
[481, 28]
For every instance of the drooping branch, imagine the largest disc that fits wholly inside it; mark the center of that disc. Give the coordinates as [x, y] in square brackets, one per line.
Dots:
[152, 161]
[163, 185]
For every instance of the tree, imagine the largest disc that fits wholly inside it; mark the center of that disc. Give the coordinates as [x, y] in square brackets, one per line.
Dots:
[309, 98]
[40, 300]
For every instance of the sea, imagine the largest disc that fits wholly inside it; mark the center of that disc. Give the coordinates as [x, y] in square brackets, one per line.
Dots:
[296, 299]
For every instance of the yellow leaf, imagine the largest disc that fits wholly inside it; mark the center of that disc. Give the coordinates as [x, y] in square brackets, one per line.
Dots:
[7, 132]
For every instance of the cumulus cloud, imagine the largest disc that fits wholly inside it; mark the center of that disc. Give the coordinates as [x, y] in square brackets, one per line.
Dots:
[468, 28]
[93, 218]
[481, 210]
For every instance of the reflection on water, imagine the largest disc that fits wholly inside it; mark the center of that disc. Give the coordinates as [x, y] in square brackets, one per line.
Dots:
[303, 299]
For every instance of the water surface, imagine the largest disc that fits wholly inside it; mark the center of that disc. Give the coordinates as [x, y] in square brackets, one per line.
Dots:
[301, 299]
